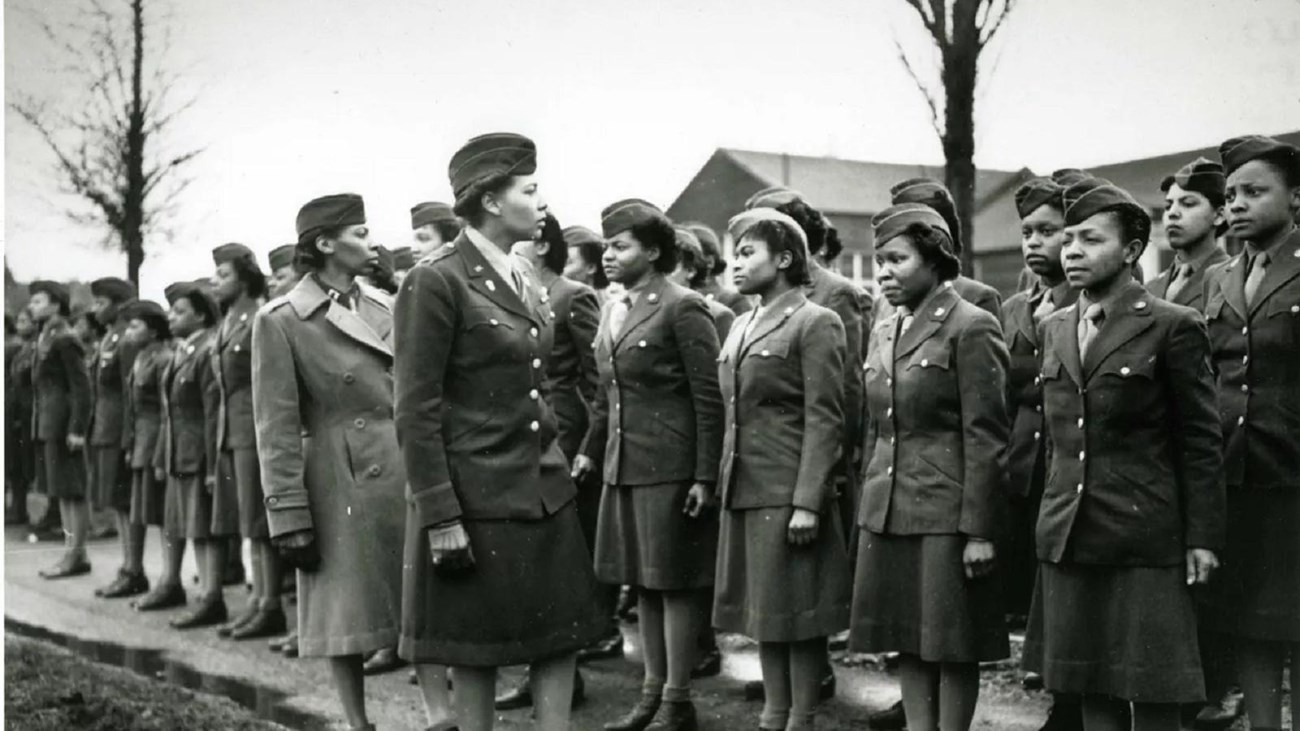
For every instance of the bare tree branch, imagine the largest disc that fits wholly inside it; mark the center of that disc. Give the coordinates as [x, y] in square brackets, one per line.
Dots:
[990, 20]
[936, 120]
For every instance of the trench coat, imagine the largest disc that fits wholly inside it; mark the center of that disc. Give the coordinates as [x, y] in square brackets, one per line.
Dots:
[327, 444]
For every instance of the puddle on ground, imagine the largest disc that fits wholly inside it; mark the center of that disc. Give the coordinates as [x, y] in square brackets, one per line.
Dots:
[268, 704]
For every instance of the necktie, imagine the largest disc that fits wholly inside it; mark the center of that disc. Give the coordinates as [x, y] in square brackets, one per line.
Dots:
[1177, 280]
[618, 314]
[907, 322]
[1045, 306]
[1258, 268]
[1089, 324]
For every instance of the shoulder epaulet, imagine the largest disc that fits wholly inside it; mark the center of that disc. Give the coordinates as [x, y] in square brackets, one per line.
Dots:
[274, 304]
[376, 295]
[437, 255]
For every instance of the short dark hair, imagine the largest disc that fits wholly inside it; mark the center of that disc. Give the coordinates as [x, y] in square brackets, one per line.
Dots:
[935, 248]
[1286, 164]
[196, 298]
[658, 233]
[469, 206]
[309, 257]
[688, 260]
[1133, 223]
[712, 251]
[591, 253]
[448, 229]
[557, 252]
[89, 318]
[815, 226]
[779, 238]
[250, 274]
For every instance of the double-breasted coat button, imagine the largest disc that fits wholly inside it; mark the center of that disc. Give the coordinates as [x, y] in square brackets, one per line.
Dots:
[1126, 370]
[359, 423]
[1038, 408]
[492, 286]
[272, 500]
[925, 362]
[1038, 380]
[349, 378]
[494, 322]
[641, 344]
[534, 426]
[766, 352]
[375, 470]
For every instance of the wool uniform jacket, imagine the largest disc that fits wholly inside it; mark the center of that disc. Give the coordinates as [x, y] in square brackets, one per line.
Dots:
[738, 303]
[144, 403]
[831, 290]
[723, 318]
[783, 390]
[232, 356]
[1256, 351]
[936, 399]
[191, 406]
[571, 370]
[109, 372]
[658, 414]
[62, 385]
[477, 430]
[975, 292]
[1026, 447]
[1134, 465]
[1193, 293]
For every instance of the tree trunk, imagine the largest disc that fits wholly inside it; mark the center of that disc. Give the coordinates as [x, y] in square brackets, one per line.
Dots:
[133, 209]
[960, 65]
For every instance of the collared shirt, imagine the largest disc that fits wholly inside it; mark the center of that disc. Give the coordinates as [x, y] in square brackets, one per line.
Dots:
[501, 262]
[348, 299]
[905, 314]
[1194, 265]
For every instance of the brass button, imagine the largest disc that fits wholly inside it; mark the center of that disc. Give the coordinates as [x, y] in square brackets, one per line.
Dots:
[359, 423]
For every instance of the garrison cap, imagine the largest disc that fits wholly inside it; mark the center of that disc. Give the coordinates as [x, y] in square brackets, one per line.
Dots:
[114, 288]
[1091, 196]
[1037, 193]
[1065, 177]
[619, 217]
[894, 221]
[151, 313]
[281, 256]
[490, 155]
[688, 241]
[56, 291]
[1240, 150]
[776, 195]
[579, 235]
[742, 222]
[1202, 176]
[934, 194]
[707, 236]
[229, 252]
[423, 214]
[403, 258]
[198, 293]
[330, 211]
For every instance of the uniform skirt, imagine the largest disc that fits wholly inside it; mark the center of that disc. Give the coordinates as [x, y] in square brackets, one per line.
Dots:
[224, 510]
[239, 483]
[60, 472]
[1128, 632]
[110, 483]
[1256, 593]
[911, 595]
[644, 539]
[148, 498]
[530, 596]
[187, 509]
[772, 591]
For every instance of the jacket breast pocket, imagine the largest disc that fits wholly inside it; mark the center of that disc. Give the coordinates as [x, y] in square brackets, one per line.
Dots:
[487, 331]
[931, 356]
[1136, 367]
[771, 349]
[1283, 315]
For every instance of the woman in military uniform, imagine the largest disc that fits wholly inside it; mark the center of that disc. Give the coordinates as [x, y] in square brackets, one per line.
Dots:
[496, 568]
[783, 565]
[932, 498]
[185, 456]
[60, 420]
[656, 426]
[20, 466]
[322, 356]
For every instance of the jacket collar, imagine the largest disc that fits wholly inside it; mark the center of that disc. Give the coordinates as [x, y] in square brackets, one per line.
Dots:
[770, 318]
[363, 326]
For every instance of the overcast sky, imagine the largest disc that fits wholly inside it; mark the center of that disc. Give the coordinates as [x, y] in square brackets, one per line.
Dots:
[299, 98]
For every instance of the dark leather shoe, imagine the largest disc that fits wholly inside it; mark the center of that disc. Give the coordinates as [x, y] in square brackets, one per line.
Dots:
[103, 533]
[382, 661]
[1221, 714]
[240, 620]
[1032, 681]
[579, 690]
[121, 577]
[639, 717]
[674, 716]
[210, 611]
[827, 689]
[265, 623]
[128, 584]
[163, 596]
[626, 608]
[67, 568]
[520, 696]
[1064, 715]
[891, 718]
[710, 664]
[606, 649]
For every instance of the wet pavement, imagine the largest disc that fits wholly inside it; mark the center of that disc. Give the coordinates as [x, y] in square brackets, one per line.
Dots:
[298, 694]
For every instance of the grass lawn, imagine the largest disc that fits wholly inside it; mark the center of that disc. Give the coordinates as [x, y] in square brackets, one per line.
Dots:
[47, 687]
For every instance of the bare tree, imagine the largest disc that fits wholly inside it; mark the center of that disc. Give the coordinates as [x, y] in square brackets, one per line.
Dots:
[107, 142]
[960, 31]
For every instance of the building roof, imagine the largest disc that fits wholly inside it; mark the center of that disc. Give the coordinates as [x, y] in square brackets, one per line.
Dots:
[856, 186]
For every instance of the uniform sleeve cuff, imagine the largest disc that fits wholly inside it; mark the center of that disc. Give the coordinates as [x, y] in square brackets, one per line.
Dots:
[435, 505]
[288, 513]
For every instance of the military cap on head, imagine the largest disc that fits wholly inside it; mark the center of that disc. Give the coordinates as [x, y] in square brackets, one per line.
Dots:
[579, 235]
[114, 288]
[897, 218]
[932, 193]
[1091, 196]
[1066, 177]
[199, 293]
[403, 258]
[740, 224]
[688, 241]
[627, 213]
[423, 214]
[330, 211]
[777, 195]
[1202, 176]
[56, 291]
[490, 155]
[230, 252]
[1037, 193]
[282, 256]
[1240, 150]
[151, 313]
[707, 236]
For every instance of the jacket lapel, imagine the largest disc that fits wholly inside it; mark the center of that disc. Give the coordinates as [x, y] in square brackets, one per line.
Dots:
[307, 296]
[1129, 316]
[1233, 284]
[1283, 267]
[773, 318]
[483, 278]
[885, 333]
[927, 320]
[1022, 320]
[1065, 342]
[647, 303]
